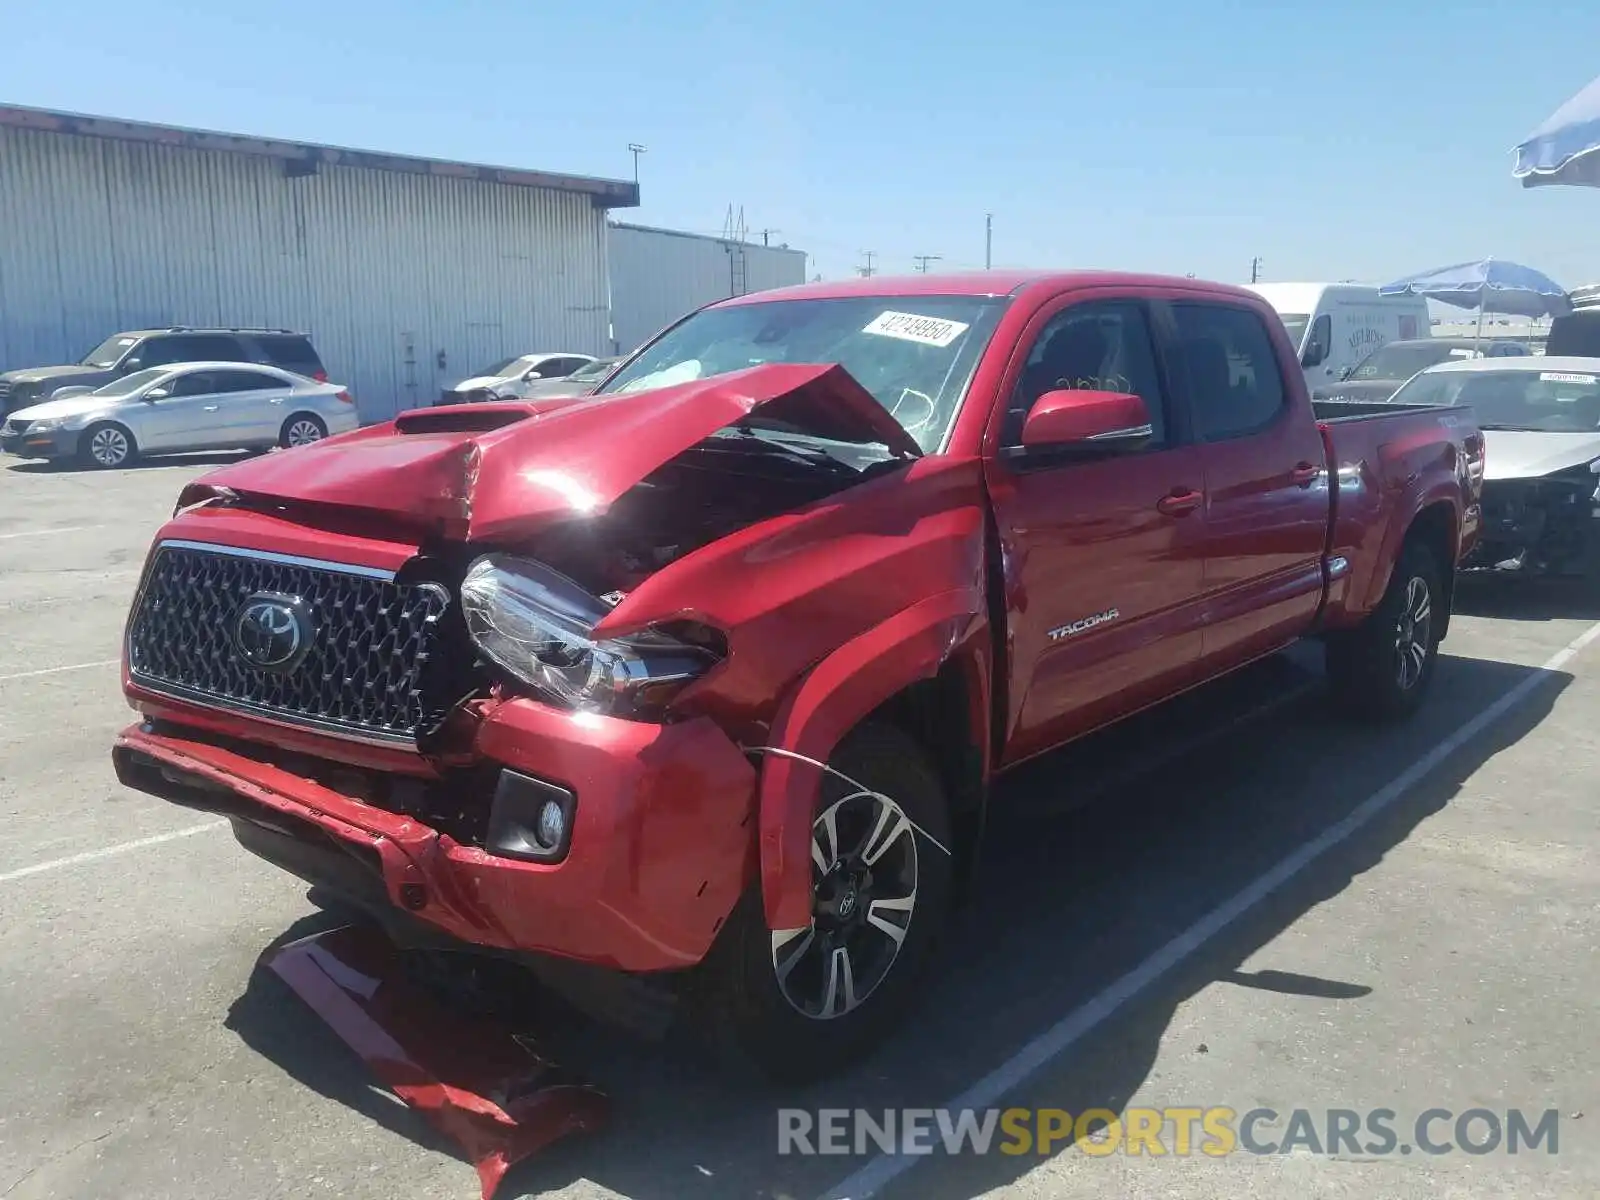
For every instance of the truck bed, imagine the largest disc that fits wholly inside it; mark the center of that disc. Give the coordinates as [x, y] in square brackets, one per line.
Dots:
[1345, 410]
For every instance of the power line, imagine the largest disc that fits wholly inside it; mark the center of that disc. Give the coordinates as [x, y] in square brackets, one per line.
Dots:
[922, 261]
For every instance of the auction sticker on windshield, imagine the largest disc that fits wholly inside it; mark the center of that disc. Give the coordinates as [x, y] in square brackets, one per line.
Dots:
[1563, 377]
[908, 327]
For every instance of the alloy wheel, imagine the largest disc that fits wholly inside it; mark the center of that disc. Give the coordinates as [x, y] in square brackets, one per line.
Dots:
[109, 447]
[864, 894]
[1413, 634]
[303, 432]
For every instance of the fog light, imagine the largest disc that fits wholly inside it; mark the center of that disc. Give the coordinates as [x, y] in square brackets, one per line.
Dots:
[530, 818]
[552, 827]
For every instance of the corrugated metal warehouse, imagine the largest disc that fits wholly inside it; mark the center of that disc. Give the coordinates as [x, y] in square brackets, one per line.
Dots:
[658, 275]
[407, 273]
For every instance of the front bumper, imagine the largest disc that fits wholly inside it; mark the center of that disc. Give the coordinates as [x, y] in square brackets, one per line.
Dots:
[1539, 527]
[662, 838]
[56, 443]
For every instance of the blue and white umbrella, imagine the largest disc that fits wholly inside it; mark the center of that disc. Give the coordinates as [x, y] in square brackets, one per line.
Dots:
[1489, 285]
[1566, 148]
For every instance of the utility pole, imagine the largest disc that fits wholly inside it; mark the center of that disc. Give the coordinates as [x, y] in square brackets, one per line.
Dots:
[866, 271]
[924, 259]
[988, 240]
[766, 234]
[635, 149]
[1255, 270]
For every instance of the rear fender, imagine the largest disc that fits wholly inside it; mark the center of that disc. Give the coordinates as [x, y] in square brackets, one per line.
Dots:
[835, 696]
[1442, 492]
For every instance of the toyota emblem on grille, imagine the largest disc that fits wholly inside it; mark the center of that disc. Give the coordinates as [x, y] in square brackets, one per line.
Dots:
[272, 631]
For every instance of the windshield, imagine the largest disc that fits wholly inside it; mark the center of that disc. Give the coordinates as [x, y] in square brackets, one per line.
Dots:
[130, 384]
[1402, 362]
[915, 354]
[594, 370]
[503, 367]
[1554, 401]
[1296, 324]
[108, 353]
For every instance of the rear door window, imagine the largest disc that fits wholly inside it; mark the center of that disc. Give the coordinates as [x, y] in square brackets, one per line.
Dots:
[247, 381]
[1234, 379]
[291, 353]
[191, 348]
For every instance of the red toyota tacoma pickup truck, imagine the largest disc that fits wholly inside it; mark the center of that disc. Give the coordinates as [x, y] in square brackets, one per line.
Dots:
[704, 679]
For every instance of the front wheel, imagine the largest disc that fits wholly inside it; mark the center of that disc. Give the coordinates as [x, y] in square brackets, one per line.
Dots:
[798, 1005]
[107, 446]
[1382, 669]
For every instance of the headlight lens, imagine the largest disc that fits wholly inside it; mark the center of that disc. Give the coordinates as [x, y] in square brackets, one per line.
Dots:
[538, 625]
[45, 424]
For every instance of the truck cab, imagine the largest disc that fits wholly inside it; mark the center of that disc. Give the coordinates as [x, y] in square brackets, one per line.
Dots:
[1333, 326]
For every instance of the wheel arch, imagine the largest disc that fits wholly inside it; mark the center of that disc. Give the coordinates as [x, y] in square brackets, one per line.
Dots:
[926, 670]
[1437, 527]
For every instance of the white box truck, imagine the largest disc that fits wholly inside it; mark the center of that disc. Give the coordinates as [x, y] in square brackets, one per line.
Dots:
[1335, 325]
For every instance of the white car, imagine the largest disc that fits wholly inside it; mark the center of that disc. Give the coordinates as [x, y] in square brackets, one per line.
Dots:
[177, 408]
[504, 377]
[1540, 417]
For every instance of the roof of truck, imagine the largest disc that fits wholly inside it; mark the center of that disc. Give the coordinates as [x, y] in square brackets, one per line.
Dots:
[997, 282]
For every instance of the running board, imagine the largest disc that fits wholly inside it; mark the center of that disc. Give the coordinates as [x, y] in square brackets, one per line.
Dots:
[487, 1089]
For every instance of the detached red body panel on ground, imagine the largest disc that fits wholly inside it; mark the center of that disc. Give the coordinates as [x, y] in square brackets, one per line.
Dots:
[481, 1086]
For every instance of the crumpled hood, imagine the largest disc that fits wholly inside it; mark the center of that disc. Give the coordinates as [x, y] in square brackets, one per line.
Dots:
[72, 406]
[478, 381]
[1528, 454]
[504, 469]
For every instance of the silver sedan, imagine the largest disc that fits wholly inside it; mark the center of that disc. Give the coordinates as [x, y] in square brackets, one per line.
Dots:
[178, 408]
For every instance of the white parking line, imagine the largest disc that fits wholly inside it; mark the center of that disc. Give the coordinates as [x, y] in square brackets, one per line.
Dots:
[99, 662]
[58, 864]
[6, 537]
[987, 1092]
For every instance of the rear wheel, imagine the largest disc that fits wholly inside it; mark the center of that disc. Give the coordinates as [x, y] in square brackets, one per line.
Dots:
[301, 430]
[107, 446]
[802, 1004]
[1382, 669]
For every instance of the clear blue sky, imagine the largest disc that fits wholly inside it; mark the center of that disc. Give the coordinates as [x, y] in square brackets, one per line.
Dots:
[1359, 139]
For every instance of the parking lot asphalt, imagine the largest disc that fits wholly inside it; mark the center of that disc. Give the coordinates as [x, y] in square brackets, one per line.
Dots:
[1260, 907]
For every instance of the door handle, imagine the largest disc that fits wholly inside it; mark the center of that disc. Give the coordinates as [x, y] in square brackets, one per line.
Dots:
[1305, 474]
[1179, 502]
[210, 408]
[276, 400]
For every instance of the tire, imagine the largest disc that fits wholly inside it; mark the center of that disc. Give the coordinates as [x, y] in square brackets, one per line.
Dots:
[765, 1003]
[107, 446]
[1383, 668]
[301, 429]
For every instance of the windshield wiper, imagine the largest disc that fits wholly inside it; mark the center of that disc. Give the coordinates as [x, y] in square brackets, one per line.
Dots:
[810, 455]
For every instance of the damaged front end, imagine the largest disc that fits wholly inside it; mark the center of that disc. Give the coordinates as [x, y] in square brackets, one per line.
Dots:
[1548, 526]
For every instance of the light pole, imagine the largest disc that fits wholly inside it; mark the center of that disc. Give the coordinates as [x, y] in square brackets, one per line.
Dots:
[635, 149]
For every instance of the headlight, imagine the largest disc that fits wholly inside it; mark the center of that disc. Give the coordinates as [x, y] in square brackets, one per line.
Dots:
[45, 425]
[538, 625]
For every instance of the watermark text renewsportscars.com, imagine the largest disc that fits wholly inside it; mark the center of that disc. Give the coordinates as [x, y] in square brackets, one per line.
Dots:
[1212, 1132]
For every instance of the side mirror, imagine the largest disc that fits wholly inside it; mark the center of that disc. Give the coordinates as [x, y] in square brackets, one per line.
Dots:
[129, 366]
[1114, 420]
[156, 394]
[1315, 353]
[531, 376]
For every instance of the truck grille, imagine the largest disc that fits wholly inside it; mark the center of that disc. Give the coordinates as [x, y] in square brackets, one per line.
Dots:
[364, 639]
